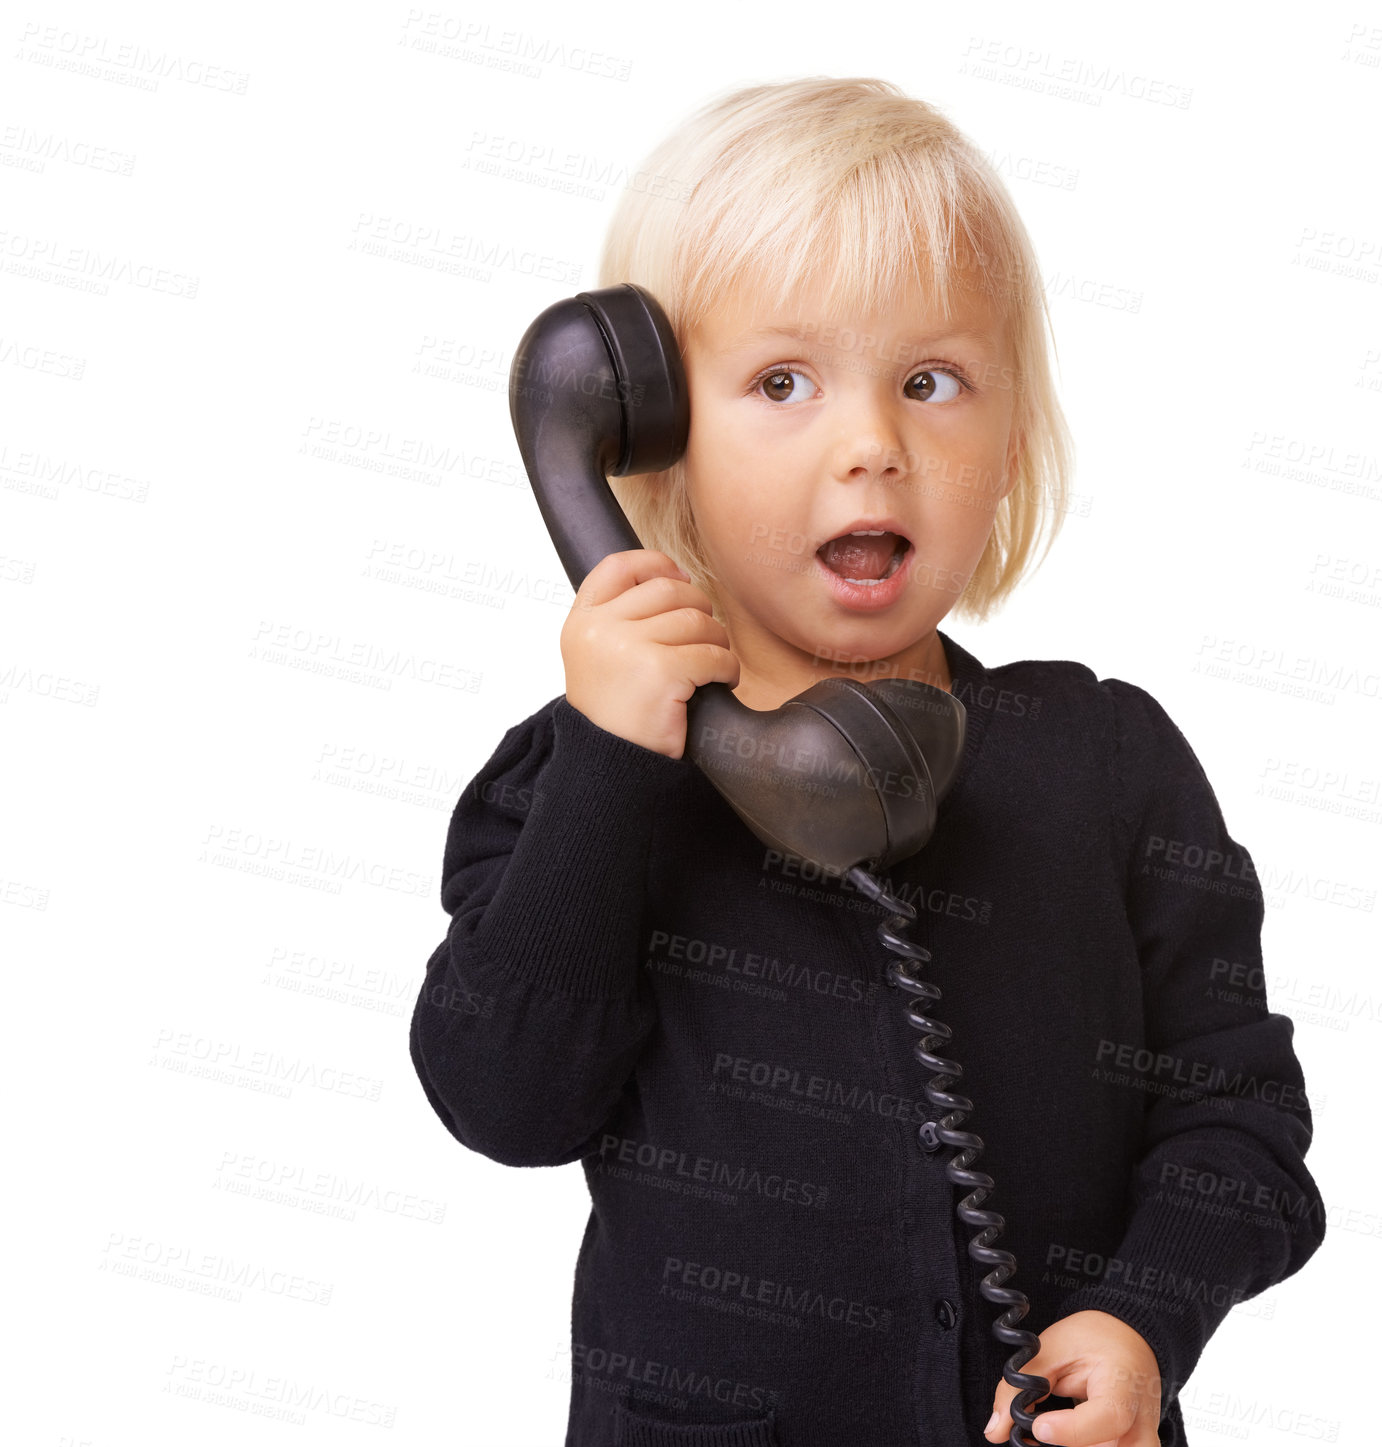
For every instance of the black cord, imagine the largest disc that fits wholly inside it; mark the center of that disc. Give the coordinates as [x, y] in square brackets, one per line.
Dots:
[1004, 1263]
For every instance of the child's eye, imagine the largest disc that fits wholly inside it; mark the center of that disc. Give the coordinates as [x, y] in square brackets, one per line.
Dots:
[936, 386]
[779, 385]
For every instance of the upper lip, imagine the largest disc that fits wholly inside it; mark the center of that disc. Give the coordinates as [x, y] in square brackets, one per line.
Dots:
[884, 524]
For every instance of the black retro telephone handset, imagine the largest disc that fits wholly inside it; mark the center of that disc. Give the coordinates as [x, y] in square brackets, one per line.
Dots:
[597, 388]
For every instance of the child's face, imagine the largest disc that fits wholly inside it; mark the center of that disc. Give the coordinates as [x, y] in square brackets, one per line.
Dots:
[896, 420]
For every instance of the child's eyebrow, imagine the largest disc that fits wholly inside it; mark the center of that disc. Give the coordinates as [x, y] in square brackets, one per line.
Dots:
[825, 336]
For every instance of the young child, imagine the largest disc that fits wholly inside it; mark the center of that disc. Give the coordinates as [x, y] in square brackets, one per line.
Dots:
[632, 981]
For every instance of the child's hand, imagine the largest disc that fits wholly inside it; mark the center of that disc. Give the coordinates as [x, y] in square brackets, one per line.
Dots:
[638, 642]
[1094, 1356]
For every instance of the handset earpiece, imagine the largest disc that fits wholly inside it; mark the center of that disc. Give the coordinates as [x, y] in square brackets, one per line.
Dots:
[596, 387]
[842, 774]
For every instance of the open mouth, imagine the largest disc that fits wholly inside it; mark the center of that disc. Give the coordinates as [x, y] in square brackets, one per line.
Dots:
[866, 557]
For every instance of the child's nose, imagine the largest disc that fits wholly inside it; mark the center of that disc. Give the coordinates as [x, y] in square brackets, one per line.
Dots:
[870, 435]
[871, 443]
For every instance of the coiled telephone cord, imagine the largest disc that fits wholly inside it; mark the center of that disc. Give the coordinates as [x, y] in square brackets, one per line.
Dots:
[969, 1147]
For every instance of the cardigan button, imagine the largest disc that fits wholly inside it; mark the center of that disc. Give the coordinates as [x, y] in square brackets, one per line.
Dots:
[928, 1137]
[945, 1314]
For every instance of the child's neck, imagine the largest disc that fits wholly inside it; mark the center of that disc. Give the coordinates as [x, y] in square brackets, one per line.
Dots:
[767, 683]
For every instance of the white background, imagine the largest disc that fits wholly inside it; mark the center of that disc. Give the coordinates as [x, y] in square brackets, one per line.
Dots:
[168, 514]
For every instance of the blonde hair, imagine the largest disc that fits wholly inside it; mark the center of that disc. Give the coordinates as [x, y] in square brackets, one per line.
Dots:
[857, 184]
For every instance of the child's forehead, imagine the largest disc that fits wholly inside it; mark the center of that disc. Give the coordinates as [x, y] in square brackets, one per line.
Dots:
[748, 310]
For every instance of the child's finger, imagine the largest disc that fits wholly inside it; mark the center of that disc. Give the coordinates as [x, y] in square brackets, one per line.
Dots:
[1000, 1424]
[1099, 1422]
[616, 573]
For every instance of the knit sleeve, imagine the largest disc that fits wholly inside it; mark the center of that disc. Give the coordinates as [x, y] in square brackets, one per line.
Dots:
[532, 1012]
[1220, 1204]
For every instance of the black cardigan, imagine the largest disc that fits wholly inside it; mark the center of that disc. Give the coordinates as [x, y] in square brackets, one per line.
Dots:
[631, 980]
